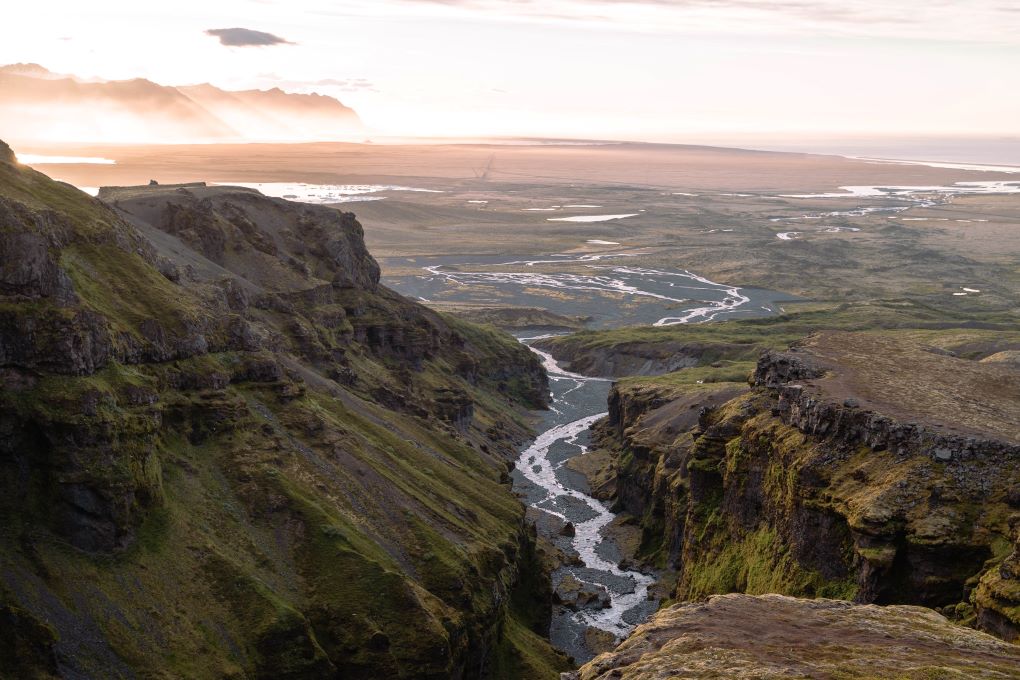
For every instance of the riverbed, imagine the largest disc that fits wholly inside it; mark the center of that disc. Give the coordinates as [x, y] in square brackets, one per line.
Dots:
[577, 402]
[610, 288]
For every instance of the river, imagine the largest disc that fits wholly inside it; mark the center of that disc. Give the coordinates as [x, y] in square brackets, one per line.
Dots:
[611, 290]
[559, 495]
[578, 401]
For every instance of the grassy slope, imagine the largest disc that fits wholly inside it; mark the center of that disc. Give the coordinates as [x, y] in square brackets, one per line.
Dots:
[280, 526]
[727, 350]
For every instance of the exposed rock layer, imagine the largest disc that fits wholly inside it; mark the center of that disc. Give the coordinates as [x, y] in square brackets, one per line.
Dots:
[226, 451]
[801, 486]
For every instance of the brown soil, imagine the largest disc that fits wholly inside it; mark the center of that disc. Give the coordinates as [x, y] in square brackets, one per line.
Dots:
[911, 382]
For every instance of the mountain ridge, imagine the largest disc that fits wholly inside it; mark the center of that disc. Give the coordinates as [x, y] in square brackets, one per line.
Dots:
[42, 103]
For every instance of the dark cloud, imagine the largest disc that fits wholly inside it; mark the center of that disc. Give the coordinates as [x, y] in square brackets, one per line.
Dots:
[246, 37]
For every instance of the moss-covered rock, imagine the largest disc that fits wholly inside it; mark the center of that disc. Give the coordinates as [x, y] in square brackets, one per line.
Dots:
[226, 451]
[838, 475]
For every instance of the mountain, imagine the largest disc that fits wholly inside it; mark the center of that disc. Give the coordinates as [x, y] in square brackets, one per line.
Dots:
[43, 107]
[228, 451]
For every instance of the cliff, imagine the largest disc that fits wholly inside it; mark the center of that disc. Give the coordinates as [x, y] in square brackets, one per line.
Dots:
[861, 466]
[228, 451]
[772, 637]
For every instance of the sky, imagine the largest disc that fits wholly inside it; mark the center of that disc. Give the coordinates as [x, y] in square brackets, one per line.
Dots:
[662, 70]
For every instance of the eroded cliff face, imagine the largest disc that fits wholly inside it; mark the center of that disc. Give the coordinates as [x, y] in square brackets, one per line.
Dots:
[227, 451]
[829, 477]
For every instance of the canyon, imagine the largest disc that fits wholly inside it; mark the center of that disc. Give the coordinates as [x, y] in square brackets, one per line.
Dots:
[870, 467]
[236, 446]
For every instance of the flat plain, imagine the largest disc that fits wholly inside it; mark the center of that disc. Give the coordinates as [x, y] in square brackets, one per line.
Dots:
[759, 220]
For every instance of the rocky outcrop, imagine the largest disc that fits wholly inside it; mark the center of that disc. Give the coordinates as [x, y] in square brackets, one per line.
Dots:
[848, 425]
[632, 358]
[7, 154]
[226, 451]
[273, 243]
[839, 474]
[997, 598]
[577, 594]
[627, 352]
[649, 422]
[771, 636]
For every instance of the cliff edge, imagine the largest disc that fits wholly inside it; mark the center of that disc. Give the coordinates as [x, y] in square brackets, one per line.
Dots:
[771, 637]
[874, 467]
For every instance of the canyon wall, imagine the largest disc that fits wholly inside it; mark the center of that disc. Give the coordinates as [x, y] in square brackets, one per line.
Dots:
[809, 482]
[228, 451]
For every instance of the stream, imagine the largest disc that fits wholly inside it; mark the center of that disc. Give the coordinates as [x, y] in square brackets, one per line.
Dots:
[611, 290]
[621, 596]
[578, 401]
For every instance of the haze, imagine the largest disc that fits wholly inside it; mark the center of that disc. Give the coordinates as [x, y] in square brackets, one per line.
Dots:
[716, 71]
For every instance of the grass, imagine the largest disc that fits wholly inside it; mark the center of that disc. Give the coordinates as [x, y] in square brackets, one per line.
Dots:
[743, 340]
[270, 524]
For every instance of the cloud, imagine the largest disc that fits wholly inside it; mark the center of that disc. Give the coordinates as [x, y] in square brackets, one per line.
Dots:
[334, 84]
[246, 37]
[347, 84]
[925, 19]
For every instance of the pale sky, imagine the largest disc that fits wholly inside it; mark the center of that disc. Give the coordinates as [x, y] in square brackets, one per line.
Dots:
[669, 70]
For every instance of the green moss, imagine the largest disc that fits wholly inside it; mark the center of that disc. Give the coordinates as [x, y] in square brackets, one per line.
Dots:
[521, 653]
[122, 287]
[757, 564]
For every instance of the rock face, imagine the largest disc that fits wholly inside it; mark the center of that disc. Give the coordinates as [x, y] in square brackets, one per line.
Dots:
[225, 450]
[997, 597]
[772, 636]
[630, 358]
[271, 242]
[860, 466]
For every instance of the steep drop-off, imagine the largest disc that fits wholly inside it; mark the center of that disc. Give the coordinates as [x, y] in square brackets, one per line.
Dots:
[861, 466]
[227, 451]
[773, 637]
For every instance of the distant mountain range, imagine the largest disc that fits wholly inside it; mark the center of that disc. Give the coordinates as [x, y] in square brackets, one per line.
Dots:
[39, 106]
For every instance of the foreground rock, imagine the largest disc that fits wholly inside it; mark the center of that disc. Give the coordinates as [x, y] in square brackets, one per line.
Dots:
[773, 636]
